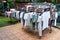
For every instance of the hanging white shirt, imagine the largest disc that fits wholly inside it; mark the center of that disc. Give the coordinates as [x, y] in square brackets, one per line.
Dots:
[30, 13]
[17, 14]
[56, 16]
[45, 19]
[27, 6]
[40, 25]
[21, 16]
[12, 10]
[27, 19]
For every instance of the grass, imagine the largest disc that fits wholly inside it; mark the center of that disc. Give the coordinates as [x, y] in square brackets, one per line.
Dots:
[5, 21]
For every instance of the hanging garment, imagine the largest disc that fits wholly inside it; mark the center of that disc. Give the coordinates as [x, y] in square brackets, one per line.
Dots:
[21, 14]
[53, 19]
[9, 14]
[56, 16]
[27, 19]
[36, 24]
[28, 7]
[34, 17]
[5, 13]
[45, 19]
[17, 14]
[34, 20]
[21, 17]
[12, 10]
[31, 13]
[40, 27]
[14, 14]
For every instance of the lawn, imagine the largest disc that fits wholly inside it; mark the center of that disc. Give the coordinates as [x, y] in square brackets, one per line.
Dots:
[5, 21]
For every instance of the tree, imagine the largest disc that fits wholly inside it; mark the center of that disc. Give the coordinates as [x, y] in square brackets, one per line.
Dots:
[10, 3]
[53, 1]
[10, 0]
[38, 0]
[22, 0]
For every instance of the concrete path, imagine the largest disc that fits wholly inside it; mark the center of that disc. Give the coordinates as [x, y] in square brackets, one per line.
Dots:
[15, 32]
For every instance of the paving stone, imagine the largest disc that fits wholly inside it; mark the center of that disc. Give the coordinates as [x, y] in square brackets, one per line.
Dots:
[15, 32]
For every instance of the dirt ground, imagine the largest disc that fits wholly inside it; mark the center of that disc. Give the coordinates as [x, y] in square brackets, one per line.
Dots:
[15, 32]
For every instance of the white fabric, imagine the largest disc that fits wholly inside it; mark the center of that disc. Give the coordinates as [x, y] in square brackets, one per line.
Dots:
[17, 14]
[34, 17]
[55, 22]
[27, 6]
[27, 19]
[31, 13]
[56, 15]
[12, 10]
[40, 25]
[9, 12]
[45, 19]
[21, 16]
[21, 21]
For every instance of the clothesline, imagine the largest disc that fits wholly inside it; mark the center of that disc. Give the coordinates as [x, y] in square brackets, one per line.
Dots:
[34, 19]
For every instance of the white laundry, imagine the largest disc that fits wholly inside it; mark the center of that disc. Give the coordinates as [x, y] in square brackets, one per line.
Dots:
[30, 13]
[27, 6]
[21, 14]
[12, 10]
[21, 17]
[34, 17]
[17, 14]
[56, 15]
[27, 19]
[40, 25]
[45, 19]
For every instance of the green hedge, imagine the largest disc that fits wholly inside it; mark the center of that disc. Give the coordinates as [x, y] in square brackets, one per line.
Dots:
[11, 3]
[10, 0]
[1, 5]
[38, 0]
[22, 0]
[53, 1]
[27, 0]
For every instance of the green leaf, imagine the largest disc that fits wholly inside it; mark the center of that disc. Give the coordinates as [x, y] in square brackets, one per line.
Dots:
[53, 1]
[10, 0]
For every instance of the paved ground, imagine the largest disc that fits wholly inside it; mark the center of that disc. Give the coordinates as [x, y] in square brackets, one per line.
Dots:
[14, 32]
